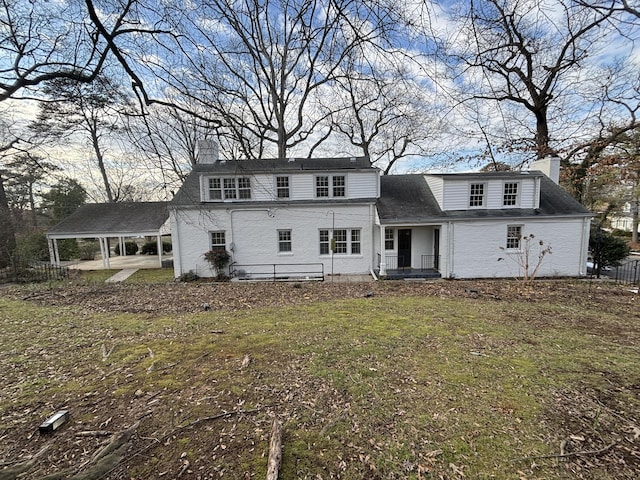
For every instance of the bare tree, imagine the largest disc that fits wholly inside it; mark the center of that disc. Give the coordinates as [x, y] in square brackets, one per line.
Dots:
[529, 55]
[258, 67]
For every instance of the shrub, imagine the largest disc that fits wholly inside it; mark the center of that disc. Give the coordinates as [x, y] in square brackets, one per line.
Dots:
[218, 259]
[189, 276]
[130, 247]
[88, 250]
[68, 249]
[32, 246]
[151, 248]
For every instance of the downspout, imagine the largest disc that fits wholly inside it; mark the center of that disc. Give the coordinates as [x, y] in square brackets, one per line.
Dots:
[584, 248]
[175, 244]
[450, 256]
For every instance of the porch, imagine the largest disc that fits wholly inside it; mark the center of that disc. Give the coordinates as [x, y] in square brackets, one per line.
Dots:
[397, 268]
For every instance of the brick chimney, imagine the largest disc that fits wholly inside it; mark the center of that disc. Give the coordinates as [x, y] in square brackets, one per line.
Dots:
[207, 151]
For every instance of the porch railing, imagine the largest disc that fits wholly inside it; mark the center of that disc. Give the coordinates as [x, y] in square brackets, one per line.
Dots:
[277, 271]
[427, 262]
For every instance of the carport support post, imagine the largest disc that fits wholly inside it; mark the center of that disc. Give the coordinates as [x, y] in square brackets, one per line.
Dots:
[54, 255]
[123, 250]
[104, 251]
[159, 243]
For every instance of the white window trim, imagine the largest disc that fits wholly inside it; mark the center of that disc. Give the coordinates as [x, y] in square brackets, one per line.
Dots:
[349, 242]
[513, 249]
[211, 245]
[484, 195]
[285, 252]
[330, 186]
[518, 190]
[222, 189]
[275, 182]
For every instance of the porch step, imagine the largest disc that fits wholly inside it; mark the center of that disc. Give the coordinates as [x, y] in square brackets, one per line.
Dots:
[412, 274]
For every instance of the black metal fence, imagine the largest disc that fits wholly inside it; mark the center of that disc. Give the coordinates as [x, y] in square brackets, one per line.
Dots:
[628, 272]
[277, 271]
[27, 271]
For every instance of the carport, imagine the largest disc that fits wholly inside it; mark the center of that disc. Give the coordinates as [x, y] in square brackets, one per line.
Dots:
[103, 221]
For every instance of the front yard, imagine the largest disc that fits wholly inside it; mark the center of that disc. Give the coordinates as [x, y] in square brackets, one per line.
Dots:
[382, 380]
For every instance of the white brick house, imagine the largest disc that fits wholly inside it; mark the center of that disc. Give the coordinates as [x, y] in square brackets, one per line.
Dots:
[312, 217]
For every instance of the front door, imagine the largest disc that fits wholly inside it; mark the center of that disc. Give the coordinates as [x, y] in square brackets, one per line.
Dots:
[404, 248]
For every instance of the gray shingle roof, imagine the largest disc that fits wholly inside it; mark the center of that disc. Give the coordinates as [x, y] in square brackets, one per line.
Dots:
[408, 199]
[101, 219]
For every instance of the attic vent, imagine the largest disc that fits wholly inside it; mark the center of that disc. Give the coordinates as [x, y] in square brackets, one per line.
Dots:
[292, 159]
[352, 159]
[524, 172]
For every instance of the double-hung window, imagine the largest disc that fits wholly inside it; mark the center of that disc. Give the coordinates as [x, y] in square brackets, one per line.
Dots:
[322, 186]
[339, 184]
[510, 195]
[282, 187]
[514, 235]
[218, 240]
[389, 240]
[476, 194]
[284, 241]
[343, 241]
[229, 188]
[331, 186]
[215, 189]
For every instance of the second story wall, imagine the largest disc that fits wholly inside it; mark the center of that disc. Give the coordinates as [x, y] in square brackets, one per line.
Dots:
[477, 191]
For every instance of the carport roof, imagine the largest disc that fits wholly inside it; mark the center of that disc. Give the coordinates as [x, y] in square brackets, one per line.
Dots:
[94, 220]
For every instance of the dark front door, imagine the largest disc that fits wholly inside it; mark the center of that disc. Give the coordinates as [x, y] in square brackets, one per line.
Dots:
[404, 248]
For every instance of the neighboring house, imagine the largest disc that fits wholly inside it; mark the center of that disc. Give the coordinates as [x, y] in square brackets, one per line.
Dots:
[300, 218]
[625, 219]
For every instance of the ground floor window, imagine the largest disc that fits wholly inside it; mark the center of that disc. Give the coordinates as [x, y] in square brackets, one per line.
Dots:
[284, 241]
[389, 243]
[218, 240]
[514, 235]
[343, 242]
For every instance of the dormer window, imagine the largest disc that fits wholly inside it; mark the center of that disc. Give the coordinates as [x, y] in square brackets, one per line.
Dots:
[331, 186]
[476, 195]
[229, 188]
[282, 187]
[510, 196]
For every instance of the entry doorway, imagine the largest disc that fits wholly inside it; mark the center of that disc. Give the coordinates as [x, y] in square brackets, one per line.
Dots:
[404, 248]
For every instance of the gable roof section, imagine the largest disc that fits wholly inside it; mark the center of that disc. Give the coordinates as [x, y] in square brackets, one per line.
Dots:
[113, 219]
[408, 199]
[189, 193]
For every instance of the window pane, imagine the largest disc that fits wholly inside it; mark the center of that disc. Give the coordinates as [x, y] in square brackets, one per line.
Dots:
[476, 198]
[510, 194]
[229, 188]
[339, 184]
[324, 242]
[282, 186]
[514, 234]
[218, 241]
[215, 190]
[322, 186]
[284, 240]
[355, 242]
[244, 187]
[388, 239]
[340, 240]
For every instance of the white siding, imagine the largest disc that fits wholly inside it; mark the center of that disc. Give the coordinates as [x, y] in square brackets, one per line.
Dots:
[360, 184]
[252, 233]
[456, 193]
[436, 184]
[474, 248]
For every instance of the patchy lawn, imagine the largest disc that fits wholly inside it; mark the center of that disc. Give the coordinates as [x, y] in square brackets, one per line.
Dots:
[382, 380]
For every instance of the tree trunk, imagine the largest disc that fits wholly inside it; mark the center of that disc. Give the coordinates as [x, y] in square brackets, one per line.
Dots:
[103, 170]
[275, 451]
[7, 231]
